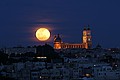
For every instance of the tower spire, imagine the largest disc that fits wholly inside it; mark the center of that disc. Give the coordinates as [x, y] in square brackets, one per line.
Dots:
[85, 28]
[88, 27]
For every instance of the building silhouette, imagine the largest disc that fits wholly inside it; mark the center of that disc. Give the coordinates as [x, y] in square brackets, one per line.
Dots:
[86, 41]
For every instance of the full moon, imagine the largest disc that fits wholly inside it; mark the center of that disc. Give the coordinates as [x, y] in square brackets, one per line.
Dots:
[42, 34]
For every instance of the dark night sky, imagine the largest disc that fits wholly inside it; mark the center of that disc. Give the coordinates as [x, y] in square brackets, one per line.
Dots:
[19, 20]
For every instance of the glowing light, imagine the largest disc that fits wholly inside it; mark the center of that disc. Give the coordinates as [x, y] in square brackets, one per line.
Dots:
[87, 75]
[42, 34]
[41, 57]
[40, 77]
[94, 65]
[116, 65]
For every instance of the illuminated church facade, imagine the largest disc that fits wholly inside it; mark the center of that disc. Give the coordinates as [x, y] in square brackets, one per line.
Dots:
[86, 41]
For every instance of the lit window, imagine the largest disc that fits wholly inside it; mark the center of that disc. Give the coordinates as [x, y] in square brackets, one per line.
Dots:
[88, 39]
[88, 33]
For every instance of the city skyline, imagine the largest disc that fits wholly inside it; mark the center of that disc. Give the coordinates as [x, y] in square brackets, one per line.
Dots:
[20, 19]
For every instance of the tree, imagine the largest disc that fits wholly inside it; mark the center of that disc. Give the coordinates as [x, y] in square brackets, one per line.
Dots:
[46, 51]
[3, 57]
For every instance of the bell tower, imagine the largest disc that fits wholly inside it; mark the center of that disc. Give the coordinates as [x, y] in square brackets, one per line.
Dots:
[87, 39]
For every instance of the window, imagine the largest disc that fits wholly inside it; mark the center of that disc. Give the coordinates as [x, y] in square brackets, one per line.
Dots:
[88, 39]
[88, 34]
[104, 73]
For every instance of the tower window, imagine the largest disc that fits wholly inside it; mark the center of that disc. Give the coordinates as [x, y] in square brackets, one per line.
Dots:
[88, 39]
[88, 34]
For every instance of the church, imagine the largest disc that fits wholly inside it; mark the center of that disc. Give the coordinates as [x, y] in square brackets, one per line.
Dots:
[86, 41]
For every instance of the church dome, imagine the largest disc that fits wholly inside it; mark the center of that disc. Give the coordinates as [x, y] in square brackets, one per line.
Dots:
[57, 39]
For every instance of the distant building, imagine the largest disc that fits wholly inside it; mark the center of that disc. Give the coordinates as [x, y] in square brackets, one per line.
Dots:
[86, 41]
[19, 50]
